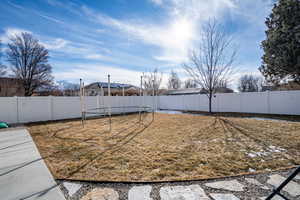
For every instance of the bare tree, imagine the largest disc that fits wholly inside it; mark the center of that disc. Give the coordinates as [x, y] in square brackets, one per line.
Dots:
[152, 80]
[222, 84]
[68, 88]
[2, 67]
[174, 81]
[29, 62]
[211, 63]
[190, 83]
[250, 83]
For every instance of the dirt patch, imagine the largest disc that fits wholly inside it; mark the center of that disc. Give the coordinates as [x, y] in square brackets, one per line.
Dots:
[172, 147]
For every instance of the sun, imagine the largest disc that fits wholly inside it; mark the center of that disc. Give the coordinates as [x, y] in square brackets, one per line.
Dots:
[182, 30]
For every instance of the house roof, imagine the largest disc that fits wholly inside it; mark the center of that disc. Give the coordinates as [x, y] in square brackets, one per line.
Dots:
[196, 91]
[2, 79]
[183, 91]
[112, 85]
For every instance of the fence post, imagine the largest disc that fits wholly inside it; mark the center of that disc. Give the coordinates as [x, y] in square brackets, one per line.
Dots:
[17, 100]
[217, 103]
[241, 104]
[199, 102]
[268, 102]
[51, 108]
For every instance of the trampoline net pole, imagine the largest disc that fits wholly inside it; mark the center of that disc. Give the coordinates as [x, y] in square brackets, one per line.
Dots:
[81, 103]
[141, 90]
[123, 94]
[153, 96]
[109, 108]
[98, 101]
[102, 97]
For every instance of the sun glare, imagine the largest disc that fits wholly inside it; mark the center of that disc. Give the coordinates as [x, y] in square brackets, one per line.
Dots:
[182, 30]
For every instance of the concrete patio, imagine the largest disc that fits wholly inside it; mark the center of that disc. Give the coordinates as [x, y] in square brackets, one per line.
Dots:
[23, 173]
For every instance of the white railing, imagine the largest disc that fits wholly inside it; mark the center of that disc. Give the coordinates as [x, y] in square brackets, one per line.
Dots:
[32, 109]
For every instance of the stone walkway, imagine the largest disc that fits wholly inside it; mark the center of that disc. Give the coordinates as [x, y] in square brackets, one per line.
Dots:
[249, 187]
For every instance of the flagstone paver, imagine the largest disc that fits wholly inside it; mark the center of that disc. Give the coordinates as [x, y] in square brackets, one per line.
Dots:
[256, 182]
[292, 188]
[274, 198]
[72, 188]
[246, 187]
[101, 194]
[140, 193]
[218, 196]
[191, 192]
[232, 185]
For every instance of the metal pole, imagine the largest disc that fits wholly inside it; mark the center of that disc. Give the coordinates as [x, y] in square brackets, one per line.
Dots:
[143, 100]
[141, 85]
[81, 105]
[102, 101]
[283, 184]
[98, 103]
[123, 94]
[153, 94]
[83, 102]
[109, 110]
[140, 119]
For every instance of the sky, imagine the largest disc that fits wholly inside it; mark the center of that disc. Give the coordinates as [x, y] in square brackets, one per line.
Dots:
[124, 38]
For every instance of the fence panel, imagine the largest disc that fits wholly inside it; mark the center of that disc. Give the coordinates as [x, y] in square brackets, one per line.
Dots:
[9, 109]
[31, 109]
[227, 102]
[255, 102]
[191, 102]
[276, 102]
[285, 102]
[66, 107]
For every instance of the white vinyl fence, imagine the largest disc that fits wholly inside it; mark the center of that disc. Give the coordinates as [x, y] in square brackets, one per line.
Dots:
[275, 102]
[32, 109]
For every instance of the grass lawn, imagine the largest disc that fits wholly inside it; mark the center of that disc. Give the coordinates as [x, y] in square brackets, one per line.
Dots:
[172, 147]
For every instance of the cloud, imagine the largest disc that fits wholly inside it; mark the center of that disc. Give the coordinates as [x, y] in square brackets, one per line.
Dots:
[132, 43]
[198, 9]
[95, 56]
[10, 32]
[174, 36]
[49, 18]
[99, 30]
[157, 2]
[48, 42]
[254, 12]
[98, 72]
[74, 49]
[53, 44]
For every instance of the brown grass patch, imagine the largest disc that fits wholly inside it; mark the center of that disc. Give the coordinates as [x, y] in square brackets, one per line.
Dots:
[172, 147]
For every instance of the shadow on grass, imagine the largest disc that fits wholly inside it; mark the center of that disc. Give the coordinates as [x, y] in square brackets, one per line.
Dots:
[91, 138]
[251, 133]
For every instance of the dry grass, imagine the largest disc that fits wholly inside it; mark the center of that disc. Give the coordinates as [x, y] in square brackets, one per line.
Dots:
[173, 147]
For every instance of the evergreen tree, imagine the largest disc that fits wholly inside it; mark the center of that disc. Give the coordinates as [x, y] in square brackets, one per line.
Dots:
[281, 59]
